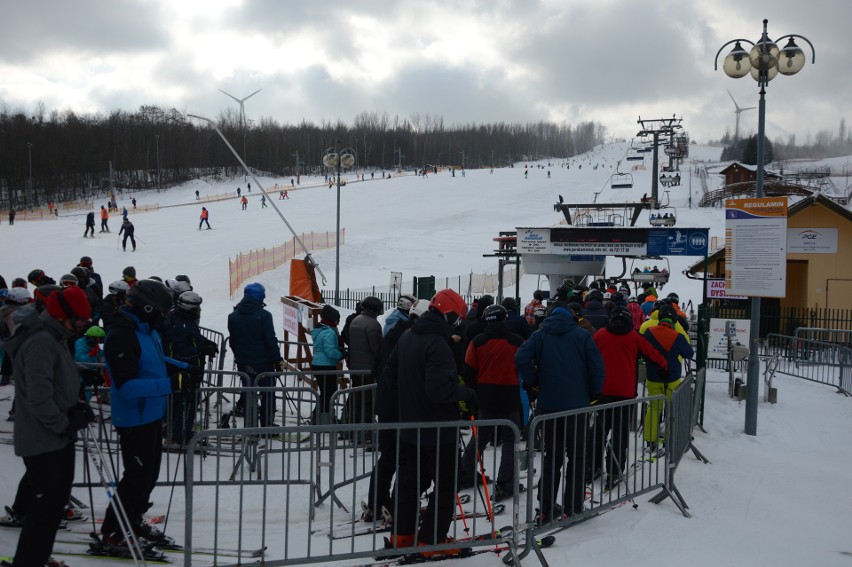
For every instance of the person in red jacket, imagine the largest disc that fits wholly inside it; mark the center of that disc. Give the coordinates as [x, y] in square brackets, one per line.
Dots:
[620, 346]
[490, 369]
[636, 311]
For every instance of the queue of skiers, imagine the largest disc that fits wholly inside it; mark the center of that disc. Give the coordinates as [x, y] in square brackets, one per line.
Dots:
[147, 335]
[435, 360]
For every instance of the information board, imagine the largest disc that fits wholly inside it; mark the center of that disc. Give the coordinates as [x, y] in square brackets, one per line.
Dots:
[716, 290]
[812, 240]
[756, 246]
[588, 242]
[717, 346]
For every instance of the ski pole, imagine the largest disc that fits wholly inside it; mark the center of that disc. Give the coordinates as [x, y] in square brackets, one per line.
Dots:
[482, 474]
[109, 484]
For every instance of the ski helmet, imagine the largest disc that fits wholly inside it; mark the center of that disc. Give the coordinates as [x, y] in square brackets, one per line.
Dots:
[189, 301]
[17, 296]
[510, 304]
[85, 261]
[674, 297]
[82, 275]
[118, 287]
[483, 303]
[494, 313]
[36, 277]
[594, 294]
[406, 302]
[667, 312]
[149, 297]
[372, 304]
[68, 280]
[95, 332]
[448, 301]
[178, 287]
[621, 314]
[183, 278]
[129, 273]
[255, 291]
[420, 307]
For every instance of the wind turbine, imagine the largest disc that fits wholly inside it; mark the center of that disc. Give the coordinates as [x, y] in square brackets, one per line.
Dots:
[241, 101]
[737, 112]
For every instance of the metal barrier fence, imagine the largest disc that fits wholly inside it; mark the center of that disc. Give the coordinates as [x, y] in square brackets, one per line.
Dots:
[262, 487]
[837, 336]
[817, 361]
[276, 515]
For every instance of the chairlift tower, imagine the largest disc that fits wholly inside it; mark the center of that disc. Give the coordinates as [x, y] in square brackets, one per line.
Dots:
[655, 127]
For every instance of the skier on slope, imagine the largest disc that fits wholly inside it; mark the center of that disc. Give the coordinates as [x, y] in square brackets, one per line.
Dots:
[205, 218]
[128, 229]
[90, 224]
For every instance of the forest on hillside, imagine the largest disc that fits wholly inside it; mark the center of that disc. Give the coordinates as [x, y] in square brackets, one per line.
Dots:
[59, 156]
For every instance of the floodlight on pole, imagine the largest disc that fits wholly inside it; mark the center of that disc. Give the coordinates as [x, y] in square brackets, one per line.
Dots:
[763, 62]
[337, 159]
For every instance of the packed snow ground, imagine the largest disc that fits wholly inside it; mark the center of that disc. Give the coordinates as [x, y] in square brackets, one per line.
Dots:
[780, 498]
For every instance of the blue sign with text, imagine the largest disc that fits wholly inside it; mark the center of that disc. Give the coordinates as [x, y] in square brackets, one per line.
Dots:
[677, 241]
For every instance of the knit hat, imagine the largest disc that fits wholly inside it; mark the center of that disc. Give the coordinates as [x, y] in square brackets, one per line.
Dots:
[255, 291]
[68, 303]
[330, 314]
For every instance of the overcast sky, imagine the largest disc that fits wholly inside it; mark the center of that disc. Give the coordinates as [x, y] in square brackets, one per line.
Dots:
[464, 60]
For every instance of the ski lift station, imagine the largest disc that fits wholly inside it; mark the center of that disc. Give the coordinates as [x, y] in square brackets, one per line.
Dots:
[572, 253]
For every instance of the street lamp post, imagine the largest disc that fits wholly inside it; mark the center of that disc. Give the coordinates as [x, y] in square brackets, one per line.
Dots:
[338, 159]
[30, 155]
[764, 61]
[157, 145]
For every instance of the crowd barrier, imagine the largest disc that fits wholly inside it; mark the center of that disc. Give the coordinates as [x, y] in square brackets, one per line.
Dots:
[823, 362]
[264, 488]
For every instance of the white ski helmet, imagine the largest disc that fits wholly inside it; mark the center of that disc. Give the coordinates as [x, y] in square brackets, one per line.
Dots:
[118, 287]
[17, 296]
[420, 307]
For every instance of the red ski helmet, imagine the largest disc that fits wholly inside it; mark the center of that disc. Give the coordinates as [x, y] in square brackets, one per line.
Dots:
[448, 301]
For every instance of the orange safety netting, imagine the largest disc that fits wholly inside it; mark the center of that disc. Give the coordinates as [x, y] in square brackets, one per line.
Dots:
[250, 264]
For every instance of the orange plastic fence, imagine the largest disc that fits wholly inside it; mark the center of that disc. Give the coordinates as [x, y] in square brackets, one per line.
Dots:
[250, 264]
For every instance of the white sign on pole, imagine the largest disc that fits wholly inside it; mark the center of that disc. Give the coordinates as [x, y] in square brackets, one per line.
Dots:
[291, 319]
[756, 246]
[718, 341]
[396, 282]
[716, 290]
[812, 240]
[534, 241]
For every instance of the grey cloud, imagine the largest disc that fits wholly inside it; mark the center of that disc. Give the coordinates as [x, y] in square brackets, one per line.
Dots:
[29, 30]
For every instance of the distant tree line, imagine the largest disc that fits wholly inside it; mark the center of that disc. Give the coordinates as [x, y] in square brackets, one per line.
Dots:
[824, 144]
[63, 155]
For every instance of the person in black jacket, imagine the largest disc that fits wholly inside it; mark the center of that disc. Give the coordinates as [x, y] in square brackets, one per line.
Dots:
[90, 224]
[183, 341]
[423, 370]
[127, 229]
[594, 311]
[387, 411]
[516, 322]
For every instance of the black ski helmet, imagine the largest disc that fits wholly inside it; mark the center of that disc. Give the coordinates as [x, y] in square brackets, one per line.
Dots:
[149, 297]
[494, 313]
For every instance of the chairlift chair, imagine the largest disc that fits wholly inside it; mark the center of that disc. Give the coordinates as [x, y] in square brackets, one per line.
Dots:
[638, 275]
[620, 180]
[663, 219]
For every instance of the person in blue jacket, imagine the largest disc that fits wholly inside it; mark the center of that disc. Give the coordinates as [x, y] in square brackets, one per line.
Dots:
[561, 364]
[87, 349]
[328, 352]
[139, 393]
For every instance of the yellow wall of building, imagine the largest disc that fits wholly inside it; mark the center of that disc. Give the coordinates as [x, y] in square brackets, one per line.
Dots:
[825, 267]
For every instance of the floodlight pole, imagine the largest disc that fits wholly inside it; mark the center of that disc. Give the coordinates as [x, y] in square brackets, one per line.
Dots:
[308, 256]
[30, 154]
[338, 158]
